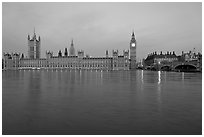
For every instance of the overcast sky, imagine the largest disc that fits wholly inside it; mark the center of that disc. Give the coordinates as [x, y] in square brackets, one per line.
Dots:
[96, 27]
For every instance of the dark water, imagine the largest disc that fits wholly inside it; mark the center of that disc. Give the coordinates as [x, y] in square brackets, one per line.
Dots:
[95, 102]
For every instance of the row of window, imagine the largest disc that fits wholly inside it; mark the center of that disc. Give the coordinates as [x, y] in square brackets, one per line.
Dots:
[66, 66]
[168, 59]
[34, 66]
[59, 64]
[12, 66]
[76, 61]
[65, 62]
[55, 65]
[120, 65]
[40, 62]
[79, 63]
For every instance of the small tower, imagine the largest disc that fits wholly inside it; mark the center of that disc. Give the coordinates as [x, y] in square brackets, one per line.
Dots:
[80, 54]
[65, 52]
[126, 58]
[126, 54]
[16, 58]
[22, 56]
[133, 45]
[115, 59]
[72, 50]
[115, 53]
[106, 53]
[59, 53]
[49, 54]
[161, 53]
[8, 61]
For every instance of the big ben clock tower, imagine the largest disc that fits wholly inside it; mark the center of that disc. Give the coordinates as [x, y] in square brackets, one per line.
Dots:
[133, 45]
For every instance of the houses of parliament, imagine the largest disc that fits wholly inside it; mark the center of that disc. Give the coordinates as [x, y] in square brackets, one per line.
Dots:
[70, 59]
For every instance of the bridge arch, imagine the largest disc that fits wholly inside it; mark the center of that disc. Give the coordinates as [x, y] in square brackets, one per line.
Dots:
[151, 68]
[185, 67]
[165, 68]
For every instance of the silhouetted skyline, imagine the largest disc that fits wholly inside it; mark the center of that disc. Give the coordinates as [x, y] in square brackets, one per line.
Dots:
[97, 27]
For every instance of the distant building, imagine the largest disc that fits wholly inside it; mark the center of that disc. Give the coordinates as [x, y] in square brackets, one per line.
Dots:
[161, 58]
[189, 56]
[170, 61]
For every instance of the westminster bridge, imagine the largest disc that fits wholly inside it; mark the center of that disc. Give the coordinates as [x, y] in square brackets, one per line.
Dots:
[193, 66]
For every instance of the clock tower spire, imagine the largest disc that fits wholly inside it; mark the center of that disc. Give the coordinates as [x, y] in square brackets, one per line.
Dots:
[133, 44]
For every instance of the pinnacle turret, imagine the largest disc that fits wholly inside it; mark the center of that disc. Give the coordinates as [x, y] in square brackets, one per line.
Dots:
[72, 43]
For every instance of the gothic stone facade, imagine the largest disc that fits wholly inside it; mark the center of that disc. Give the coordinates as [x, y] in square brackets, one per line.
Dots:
[118, 62]
[71, 61]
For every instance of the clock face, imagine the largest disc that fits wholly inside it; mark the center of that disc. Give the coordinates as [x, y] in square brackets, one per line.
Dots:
[133, 44]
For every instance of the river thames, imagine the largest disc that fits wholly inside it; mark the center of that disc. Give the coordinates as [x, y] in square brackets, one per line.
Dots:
[101, 102]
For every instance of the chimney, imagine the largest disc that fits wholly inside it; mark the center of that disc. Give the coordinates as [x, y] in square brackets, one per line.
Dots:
[106, 53]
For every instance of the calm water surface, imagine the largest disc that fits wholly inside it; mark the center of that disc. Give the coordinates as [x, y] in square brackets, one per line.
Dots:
[101, 102]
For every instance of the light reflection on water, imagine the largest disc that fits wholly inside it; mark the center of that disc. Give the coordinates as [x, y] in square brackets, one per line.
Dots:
[101, 102]
[159, 87]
